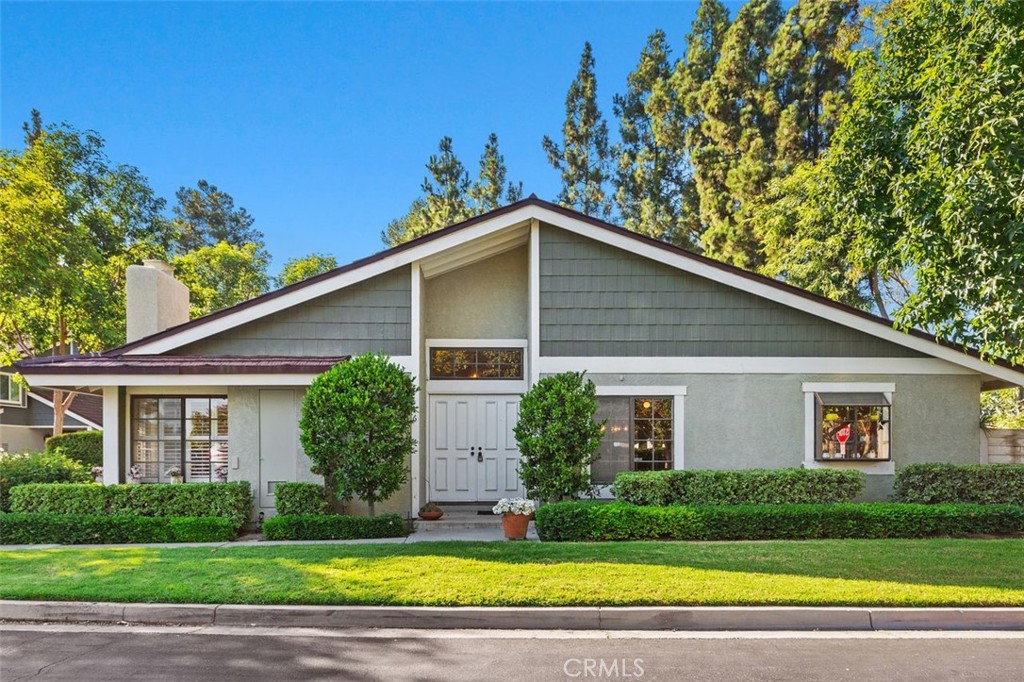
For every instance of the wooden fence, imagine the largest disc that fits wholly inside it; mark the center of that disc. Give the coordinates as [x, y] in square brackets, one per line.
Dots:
[1005, 446]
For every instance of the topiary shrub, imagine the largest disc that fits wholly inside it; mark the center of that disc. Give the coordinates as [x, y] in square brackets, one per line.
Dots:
[296, 499]
[82, 446]
[558, 437]
[356, 427]
[38, 467]
[80, 529]
[231, 501]
[595, 521]
[333, 527]
[743, 486]
[954, 483]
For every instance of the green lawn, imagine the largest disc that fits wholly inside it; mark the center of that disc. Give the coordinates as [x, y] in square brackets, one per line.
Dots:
[826, 572]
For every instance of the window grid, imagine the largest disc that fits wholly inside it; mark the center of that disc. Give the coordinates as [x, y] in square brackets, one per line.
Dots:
[188, 432]
[638, 435]
[476, 363]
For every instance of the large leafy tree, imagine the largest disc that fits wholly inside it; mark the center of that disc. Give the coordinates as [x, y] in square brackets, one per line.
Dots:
[649, 178]
[221, 275]
[71, 221]
[356, 428]
[583, 157]
[927, 164]
[297, 269]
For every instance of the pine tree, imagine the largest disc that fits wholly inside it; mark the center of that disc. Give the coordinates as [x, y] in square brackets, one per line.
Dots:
[446, 189]
[739, 124]
[649, 177]
[583, 156]
[486, 192]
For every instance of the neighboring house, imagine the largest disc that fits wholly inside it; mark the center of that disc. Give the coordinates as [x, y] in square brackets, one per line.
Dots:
[26, 416]
[698, 365]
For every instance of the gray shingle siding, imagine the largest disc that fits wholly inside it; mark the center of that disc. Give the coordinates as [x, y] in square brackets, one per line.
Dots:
[371, 316]
[598, 300]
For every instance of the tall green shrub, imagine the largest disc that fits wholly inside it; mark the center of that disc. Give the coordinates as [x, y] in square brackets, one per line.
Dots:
[38, 467]
[558, 437]
[356, 427]
[743, 486]
[298, 499]
[82, 446]
[955, 483]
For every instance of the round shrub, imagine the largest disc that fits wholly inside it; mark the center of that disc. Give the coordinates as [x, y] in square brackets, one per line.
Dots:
[82, 446]
[38, 467]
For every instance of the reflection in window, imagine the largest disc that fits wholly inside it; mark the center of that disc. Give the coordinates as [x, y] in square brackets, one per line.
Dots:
[190, 433]
[637, 436]
[852, 426]
[476, 363]
[10, 390]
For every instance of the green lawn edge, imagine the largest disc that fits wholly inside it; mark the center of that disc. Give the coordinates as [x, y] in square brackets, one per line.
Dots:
[929, 572]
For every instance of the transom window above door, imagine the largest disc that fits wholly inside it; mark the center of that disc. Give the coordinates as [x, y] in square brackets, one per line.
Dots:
[476, 363]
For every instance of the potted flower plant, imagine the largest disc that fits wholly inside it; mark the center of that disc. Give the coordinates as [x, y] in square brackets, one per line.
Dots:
[516, 513]
[431, 511]
[97, 474]
[174, 473]
[135, 474]
[220, 474]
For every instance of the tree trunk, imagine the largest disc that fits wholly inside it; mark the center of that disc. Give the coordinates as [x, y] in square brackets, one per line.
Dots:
[335, 503]
[60, 405]
[373, 511]
[876, 293]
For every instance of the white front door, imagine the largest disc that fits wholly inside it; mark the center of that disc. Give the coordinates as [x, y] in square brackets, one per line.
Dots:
[472, 453]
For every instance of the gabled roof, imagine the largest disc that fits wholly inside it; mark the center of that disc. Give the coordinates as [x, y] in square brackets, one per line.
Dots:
[512, 218]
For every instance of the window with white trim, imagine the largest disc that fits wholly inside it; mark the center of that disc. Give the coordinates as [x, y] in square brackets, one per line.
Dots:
[186, 433]
[11, 392]
[852, 426]
[476, 363]
[637, 436]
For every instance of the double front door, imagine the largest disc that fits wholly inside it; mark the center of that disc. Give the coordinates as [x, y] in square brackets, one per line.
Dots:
[473, 455]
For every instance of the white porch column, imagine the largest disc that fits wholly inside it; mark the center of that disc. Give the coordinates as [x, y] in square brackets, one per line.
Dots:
[416, 367]
[111, 429]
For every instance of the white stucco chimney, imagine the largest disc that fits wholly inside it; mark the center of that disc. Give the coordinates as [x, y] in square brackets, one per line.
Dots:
[156, 300]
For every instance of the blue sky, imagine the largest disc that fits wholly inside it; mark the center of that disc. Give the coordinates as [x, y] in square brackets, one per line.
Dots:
[316, 117]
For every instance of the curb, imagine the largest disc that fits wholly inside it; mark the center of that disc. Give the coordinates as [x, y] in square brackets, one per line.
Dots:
[704, 618]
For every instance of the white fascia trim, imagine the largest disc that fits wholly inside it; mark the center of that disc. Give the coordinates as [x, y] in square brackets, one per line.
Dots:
[747, 365]
[71, 413]
[332, 284]
[477, 343]
[782, 296]
[476, 387]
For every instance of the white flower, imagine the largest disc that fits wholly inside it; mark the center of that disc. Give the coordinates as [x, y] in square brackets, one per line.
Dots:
[514, 505]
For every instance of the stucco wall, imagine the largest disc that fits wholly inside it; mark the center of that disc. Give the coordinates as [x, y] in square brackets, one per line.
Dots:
[485, 300]
[751, 421]
[20, 439]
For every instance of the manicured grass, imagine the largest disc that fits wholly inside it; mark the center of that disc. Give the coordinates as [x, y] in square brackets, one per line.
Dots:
[940, 572]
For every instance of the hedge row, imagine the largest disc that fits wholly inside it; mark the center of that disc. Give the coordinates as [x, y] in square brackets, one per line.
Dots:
[333, 527]
[749, 486]
[82, 446]
[83, 529]
[298, 499]
[595, 521]
[960, 483]
[232, 501]
[38, 467]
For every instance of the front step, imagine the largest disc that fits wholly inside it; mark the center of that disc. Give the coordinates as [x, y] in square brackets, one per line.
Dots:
[459, 520]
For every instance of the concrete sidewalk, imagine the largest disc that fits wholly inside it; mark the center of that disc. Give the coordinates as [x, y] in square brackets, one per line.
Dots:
[730, 618]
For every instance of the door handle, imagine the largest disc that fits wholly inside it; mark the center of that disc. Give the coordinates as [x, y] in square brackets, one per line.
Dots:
[480, 455]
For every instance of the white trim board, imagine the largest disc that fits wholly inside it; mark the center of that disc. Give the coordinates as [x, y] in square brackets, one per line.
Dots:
[866, 466]
[532, 214]
[747, 365]
[68, 412]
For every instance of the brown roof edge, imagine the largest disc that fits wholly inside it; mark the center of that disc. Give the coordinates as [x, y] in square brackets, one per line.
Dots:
[532, 200]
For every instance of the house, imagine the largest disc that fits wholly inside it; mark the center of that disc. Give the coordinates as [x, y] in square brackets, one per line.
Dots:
[698, 364]
[26, 416]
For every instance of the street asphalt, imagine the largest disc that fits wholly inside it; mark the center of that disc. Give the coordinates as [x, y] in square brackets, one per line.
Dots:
[88, 653]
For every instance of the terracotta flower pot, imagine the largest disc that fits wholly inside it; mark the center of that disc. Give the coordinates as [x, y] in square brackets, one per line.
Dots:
[431, 515]
[515, 526]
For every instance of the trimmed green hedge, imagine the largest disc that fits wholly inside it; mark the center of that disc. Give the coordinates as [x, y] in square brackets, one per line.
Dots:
[82, 446]
[955, 483]
[333, 527]
[232, 501]
[84, 529]
[745, 486]
[595, 521]
[298, 499]
[37, 467]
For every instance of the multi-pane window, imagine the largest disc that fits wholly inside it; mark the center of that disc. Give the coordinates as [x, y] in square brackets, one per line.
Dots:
[10, 390]
[183, 432]
[476, 363]
[637, 436]
[852, 426]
